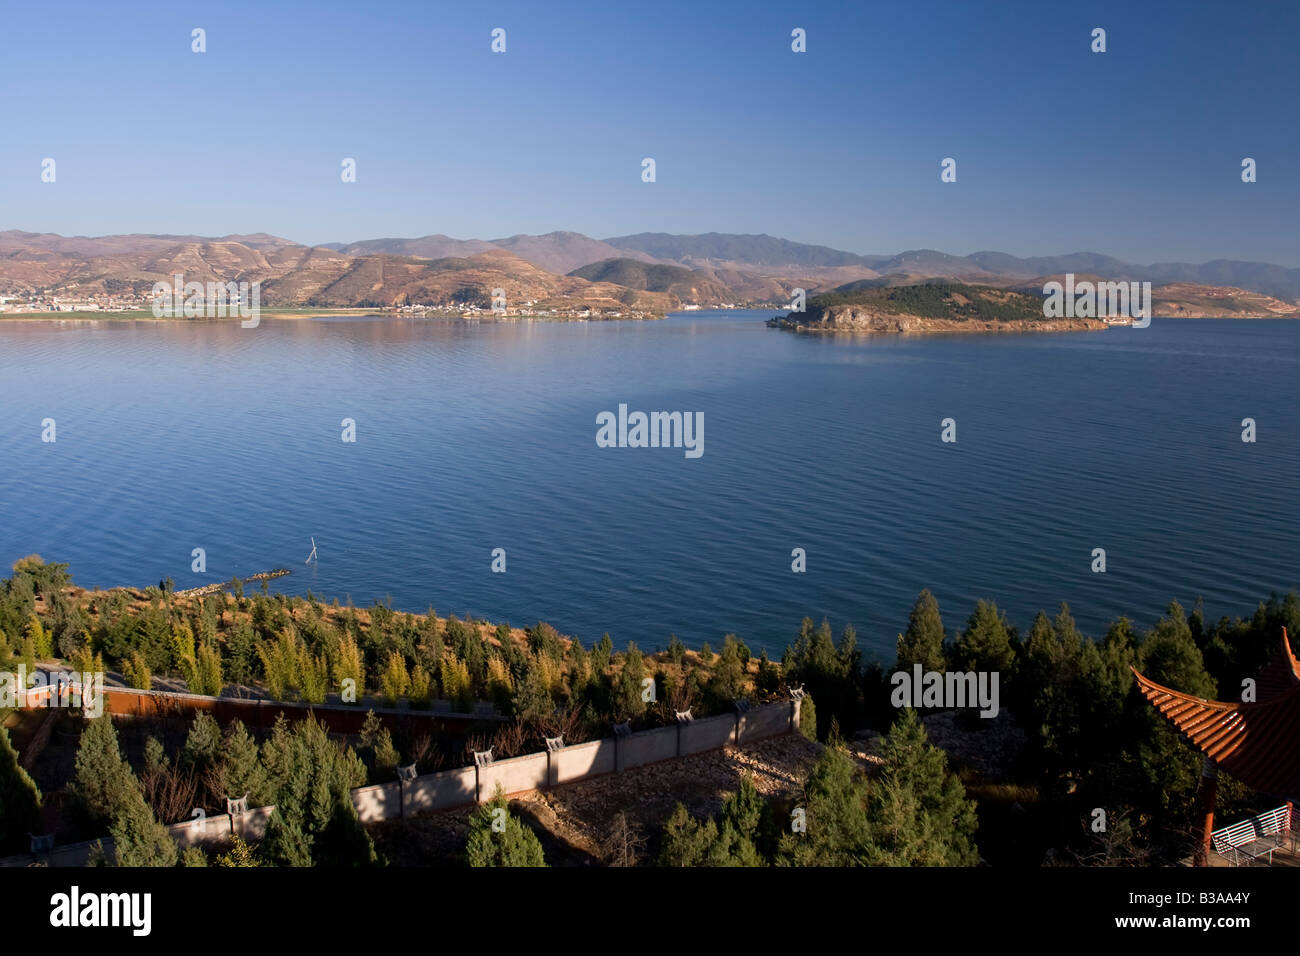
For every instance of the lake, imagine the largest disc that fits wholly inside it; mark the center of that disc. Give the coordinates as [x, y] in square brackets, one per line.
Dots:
[472, 436]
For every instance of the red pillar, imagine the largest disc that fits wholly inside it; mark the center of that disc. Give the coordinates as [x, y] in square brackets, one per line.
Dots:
[1207, 796]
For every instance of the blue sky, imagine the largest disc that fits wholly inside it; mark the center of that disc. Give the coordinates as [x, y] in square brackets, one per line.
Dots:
[1135, 152]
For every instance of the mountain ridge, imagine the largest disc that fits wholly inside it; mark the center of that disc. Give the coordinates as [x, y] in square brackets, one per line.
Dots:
[715, 268]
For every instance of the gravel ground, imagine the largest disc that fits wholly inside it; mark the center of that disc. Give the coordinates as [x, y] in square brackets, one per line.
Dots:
[572, 821]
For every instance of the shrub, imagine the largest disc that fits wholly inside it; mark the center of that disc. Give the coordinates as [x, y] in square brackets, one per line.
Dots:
[498, 839]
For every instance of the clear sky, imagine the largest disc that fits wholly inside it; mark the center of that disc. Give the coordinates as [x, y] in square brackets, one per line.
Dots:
[1135, 152]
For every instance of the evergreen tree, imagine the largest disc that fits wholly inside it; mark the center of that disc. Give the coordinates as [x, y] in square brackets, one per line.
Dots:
[241, 653]
[136, 672]
[917, 811]
[455, 680]
[923, 642]
[240, 771]
[738, 825]
[601, 655]
[370, 728]
[203, 743]
[1051, 693]
[395, 680]
[985, 645]
[348, 665]
[20, 800]
[420, 682]
[768, 678]
[676, 650]
[744, 808]
[834, 804]
[313, 676]
[183, 657]
[533, 703]
[42, 645]
[139, 839]
[686, 841]
[207, 671]
[729, 680]
[311, 778]
[1169, 656]
[628, 703]
[1162, 771]
[827, 673]
[103, 784]
[732, 847]
[508, 843]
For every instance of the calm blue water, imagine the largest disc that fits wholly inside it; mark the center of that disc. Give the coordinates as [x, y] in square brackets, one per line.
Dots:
[478, 436]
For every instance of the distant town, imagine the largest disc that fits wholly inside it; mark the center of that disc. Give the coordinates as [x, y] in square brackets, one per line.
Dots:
[68, 300]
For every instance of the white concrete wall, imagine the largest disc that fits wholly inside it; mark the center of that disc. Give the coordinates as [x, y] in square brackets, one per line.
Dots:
[515, 775]
[440, 791]
[648, 746]
[377, 802]
[709, 733]
[582, 760]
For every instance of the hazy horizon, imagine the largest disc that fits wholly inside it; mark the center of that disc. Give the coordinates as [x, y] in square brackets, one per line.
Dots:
[211, 236]
[1057, 147]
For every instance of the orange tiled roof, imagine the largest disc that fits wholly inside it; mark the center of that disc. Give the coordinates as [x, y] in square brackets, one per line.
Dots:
[1280, 674]
[1259, 742]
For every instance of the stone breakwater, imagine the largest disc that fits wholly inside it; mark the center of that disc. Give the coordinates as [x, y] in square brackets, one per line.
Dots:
[222, 585]
[858, 318]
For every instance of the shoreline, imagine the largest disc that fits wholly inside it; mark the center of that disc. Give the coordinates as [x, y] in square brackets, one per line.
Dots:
[146, 316]
[907, 325]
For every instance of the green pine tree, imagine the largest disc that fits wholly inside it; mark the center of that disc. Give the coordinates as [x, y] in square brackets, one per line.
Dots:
[239, 771]
[202, 748]
[310, 778]
[496, 838]
[207, 671]
[923, 642]
[729, 681]
[103, 785]
[834, 815]
[628, 702]
[20, 800]
[686, 841]
[139, 839]
[918, 813]
[985, 645]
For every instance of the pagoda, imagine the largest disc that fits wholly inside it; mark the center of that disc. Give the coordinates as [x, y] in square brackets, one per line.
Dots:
[1257, 741]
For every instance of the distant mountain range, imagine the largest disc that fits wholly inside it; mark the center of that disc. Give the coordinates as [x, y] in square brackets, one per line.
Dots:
[653, 271]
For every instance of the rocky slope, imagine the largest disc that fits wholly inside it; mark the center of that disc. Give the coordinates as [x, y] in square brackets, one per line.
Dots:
[1191, 300]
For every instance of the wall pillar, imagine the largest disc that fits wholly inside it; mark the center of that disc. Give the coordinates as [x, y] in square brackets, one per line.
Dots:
[1207, 796]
